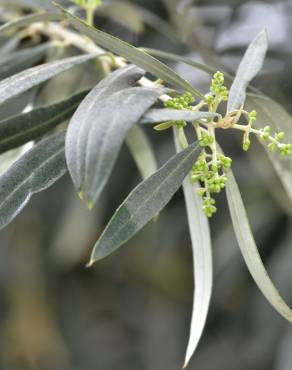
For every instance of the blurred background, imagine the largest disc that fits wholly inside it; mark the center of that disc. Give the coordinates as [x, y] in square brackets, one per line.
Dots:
[132, 310]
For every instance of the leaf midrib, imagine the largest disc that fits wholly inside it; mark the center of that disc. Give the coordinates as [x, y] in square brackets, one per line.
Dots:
[153, 194]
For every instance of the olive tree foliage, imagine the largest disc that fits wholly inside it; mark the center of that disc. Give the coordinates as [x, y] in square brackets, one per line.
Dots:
[83, 134]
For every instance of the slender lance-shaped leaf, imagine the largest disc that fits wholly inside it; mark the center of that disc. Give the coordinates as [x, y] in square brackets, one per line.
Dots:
[273, 114]
[99, 127]
[249, 249]
[23, 81]
[179, 58]
[134, 55]
[35, 171]
[249, 67]
[202, 261]
[30, 19]
[142, 151]
[145, 201]
[20, 129]
[16, 62]
[80, 125]
[201, 66]
[166, 114]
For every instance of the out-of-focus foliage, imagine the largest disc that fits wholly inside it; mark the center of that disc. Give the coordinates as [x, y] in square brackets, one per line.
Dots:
[132, 310]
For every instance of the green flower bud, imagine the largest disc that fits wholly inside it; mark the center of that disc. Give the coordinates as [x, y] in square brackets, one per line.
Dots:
[279, 136]
[246, 144]
[272, 147]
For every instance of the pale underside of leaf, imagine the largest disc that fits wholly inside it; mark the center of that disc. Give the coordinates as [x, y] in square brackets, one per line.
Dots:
[23, 81]
[144, 202]
[100, 125]
[86, 115]
[142, 151]
[166, 114]
[129, 52]
[249, 249]
[202, 261]
[249, 67]
[33, 172]
[16, 62]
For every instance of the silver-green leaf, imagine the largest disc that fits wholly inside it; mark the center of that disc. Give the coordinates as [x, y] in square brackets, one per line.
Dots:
[202, 262]
[23, 81]
[249, 249]
[100, 125]
[30, 19]
[249, 67]
[16, 62]
[166, 114]
[33, 172]
[134, 55]
[142, 151]
[144, 202]
[19, 129]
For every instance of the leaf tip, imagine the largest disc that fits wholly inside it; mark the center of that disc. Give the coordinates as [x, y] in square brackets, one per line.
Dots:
[90, 263]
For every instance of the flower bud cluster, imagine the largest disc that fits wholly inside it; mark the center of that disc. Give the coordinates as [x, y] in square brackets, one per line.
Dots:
[276, 141]
[217, 88]
[212, 178]
[180, 102]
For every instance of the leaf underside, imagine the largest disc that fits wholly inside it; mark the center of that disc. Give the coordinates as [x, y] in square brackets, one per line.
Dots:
[249, 249]
[23, 81]
[142, 152]
[249, 67]
[100, 125]
[202, 262]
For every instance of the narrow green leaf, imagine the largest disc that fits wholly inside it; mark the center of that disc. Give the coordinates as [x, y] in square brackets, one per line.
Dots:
[145, 201]
[9, 46]
[134, 55]
[33, 172]
[16, 62]
[78, 130]
[201, 66]
[20, 129]
[30, 19]
[179, 58]
[273, 114]
[23, 81]
[166, 114]
[249, 249]
[100, 125]
[249, 67]
[142, 152]
[202, 261]
[8, 158]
